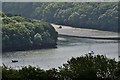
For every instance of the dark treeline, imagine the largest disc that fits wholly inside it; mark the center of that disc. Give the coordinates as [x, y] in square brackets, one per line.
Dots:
[19, 33]
[88, 67]
[93, 15]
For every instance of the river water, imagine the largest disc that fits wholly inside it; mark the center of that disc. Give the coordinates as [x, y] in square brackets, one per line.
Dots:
[67, 47]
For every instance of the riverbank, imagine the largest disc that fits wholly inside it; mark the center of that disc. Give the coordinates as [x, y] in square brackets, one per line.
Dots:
[30, 48]
[87, 37]
[67, 47]
[20, 33]
[85, 33]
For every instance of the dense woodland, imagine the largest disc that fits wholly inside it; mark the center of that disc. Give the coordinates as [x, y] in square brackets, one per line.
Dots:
[19, 33]
[88, 67]
[94, 15]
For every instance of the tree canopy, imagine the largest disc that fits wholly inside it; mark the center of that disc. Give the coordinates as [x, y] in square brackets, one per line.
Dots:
[93, 15]
[19, 33]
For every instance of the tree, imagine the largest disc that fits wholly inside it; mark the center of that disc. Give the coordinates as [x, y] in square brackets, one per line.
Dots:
[37, 39]
[19, 33]
[89, 68]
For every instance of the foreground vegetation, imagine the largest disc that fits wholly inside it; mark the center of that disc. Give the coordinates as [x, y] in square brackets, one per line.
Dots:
[88, 67]
[19, 33]
[93, 15]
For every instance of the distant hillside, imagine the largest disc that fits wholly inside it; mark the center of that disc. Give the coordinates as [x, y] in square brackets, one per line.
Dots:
[19, 33]
[93, 15]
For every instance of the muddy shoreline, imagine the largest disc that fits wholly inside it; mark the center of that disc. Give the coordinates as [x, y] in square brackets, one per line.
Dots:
[85, 33]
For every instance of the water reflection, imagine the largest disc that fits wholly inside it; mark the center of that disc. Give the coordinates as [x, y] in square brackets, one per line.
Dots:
[67, 47]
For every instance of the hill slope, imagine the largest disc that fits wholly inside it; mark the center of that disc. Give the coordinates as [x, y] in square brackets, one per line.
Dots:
[19, 33]
[93, 15]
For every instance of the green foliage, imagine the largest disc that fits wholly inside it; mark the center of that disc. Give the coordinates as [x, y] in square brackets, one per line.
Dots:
[37, 39]
[95, 15]
[88, 67]
[20, 33]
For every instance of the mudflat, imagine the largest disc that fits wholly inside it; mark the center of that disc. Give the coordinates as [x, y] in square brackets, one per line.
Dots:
[80, 32]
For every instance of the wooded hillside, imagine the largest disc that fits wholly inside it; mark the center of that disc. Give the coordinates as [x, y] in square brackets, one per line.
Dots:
[19, 33]
[93, 15]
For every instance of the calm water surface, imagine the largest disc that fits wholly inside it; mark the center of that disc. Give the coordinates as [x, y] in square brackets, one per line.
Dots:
[67, 47]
